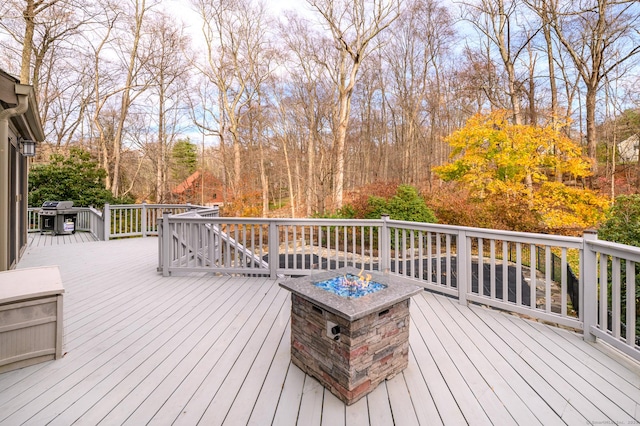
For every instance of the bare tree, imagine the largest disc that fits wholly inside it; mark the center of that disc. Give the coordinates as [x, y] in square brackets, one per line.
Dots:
[167, 68]
[305, 110]
[496, 20]
[354, 26]
[413, 59]
[237, 52]
[599, 37]
[46, 35]
[130, 65]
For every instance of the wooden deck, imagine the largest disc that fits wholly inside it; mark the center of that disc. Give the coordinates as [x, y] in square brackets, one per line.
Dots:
[143, 349]
[37, 239]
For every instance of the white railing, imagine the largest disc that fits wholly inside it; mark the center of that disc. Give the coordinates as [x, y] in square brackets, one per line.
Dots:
[612, 286]
[120, 221]
[552, 278]
[89, 220]
[140, 220]
[242, 246]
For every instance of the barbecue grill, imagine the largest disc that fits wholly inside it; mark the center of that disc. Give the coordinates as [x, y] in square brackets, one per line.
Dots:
[59, 217]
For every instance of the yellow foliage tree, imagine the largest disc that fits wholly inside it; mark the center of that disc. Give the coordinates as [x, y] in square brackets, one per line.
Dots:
[491, 156]
[562, 206]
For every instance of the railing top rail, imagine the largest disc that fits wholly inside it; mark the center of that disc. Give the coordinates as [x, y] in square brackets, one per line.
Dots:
[615, 249]
[163, 206]
[196, 211]
[279, 221]
[330, 222]
[523, 237]
[497, 234]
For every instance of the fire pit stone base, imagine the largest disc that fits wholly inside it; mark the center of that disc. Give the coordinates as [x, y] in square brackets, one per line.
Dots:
[364, 352]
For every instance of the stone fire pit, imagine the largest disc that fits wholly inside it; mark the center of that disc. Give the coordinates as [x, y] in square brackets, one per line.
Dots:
[350, 332]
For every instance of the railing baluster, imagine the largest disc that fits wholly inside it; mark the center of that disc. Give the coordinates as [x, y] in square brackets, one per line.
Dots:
[430, 258]
[336, 246]
[518, 274]
[304, 250]
[237, 258]
[480, 267]
[463, 265]
[354, 248]
[505, 271]
[563, 282]
[345, 249]
[439, 258]
[547, 281]
[261, 236]
[533, 276]
[396, 247]
[412, 253]
[421, 255]
[492, 272]
[448, 261]
[631, 303]
[604, 300]
[295, 246]
[405, 264]
[615, 297]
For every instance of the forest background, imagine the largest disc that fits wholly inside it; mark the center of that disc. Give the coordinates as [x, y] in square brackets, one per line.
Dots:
[503, 114]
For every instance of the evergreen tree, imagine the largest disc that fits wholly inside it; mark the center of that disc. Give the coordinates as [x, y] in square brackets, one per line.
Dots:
[76, 178]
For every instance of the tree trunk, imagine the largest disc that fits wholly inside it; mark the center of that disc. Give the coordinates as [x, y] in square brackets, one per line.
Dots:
[160, 155]
[27, 44]
[505, 53]
[310, 172]
[592, 141]
[264, 181]
[339, 141]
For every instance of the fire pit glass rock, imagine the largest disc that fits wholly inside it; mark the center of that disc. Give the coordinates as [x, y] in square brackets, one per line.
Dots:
[350, 340]
[349, 285]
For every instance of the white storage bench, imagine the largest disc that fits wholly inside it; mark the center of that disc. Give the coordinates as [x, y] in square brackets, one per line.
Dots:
[30, 317]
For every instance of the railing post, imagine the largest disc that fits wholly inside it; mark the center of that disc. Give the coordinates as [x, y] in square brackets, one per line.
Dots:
[463, 266]
[160, 247]
[166, 244]
[144, 220]
[274, 244]
[106, 216]
[589, 278]
[385, 245]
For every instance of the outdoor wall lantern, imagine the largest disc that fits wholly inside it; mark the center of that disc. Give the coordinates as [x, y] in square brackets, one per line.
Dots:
[28, 147]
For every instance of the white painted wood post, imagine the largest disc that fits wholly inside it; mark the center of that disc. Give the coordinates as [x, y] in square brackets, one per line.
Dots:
[274, 256]
[463, 265]
[384, 242]
[106, 219]
[144, 220]
[166, 244]
[589, 293]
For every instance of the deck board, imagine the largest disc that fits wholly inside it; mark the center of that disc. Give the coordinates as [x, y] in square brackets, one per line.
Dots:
[534, 403]
[203, 349]
[310, 412]
[36, 239]
[379, 409]
[586, 379]
[333, 411]
[403, 410]
[487, 390]
[443, 370]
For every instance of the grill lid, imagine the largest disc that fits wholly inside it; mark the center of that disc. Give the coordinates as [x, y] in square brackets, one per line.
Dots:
[57, 205]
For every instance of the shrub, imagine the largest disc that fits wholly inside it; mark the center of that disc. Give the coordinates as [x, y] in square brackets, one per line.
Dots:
[77, 178]
[406, 205]
[623, 222]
